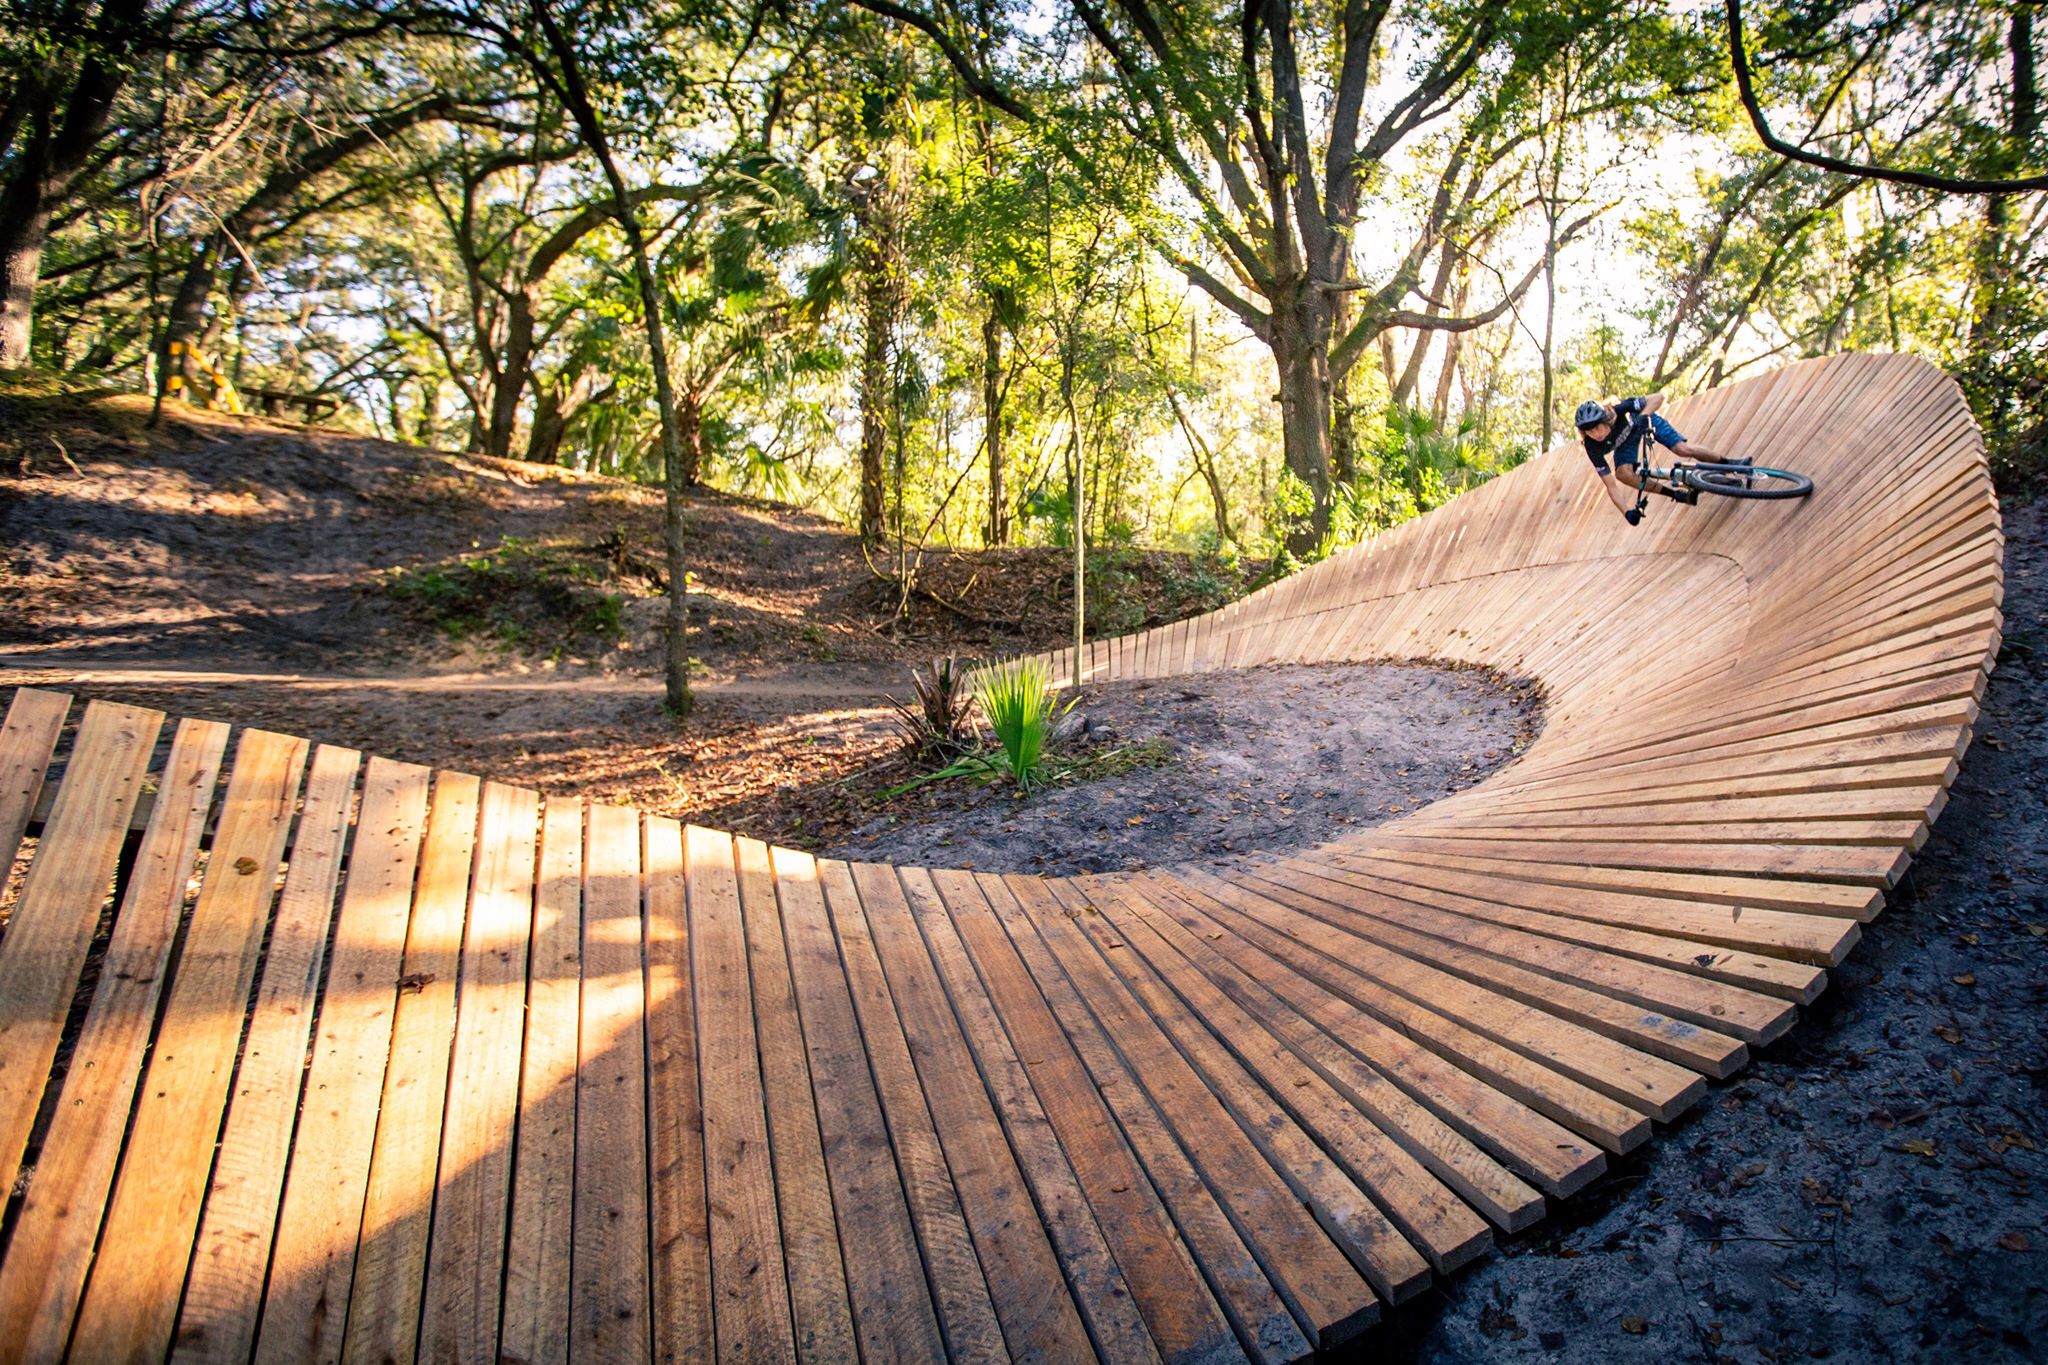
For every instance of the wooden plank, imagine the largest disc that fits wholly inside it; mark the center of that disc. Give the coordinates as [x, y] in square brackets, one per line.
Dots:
[398, 1204]
[1537, 1147]
[1671, 934]
[131, 1298]
[609, 1299]
[225, 1288]
[1038, 1314]
[1455, 1160]
[1180, 1314]
[312, 1266]
[967, 1315]
[1398, 1174]
[1329, 1158]
[1372, 981]
[59, 1218]
[749, 1279]
[1692, 1022]
[43, 950]
[28, 740]
[1266, 1324]
[534, 1329]
[466, 1250]
[893, 1312]
[810, 1233]
[1659, 1088]
[1326, 1293]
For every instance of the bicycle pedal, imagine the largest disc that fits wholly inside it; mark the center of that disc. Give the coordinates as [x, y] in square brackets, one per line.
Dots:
[1688, 496]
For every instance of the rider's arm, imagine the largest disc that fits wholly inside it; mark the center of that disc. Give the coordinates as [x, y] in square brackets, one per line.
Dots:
[1650, 403]
[1620, 493]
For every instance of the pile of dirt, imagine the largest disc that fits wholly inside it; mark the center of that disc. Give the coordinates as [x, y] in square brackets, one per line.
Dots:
[1248, 761]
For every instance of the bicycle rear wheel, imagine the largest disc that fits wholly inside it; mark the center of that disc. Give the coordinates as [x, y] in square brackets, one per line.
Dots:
[1737, 481]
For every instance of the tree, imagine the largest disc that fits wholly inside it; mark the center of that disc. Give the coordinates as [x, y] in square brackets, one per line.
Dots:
[1275, 178]
[63, 118]
[565, 78]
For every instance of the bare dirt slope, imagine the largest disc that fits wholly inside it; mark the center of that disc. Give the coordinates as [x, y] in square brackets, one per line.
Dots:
[484, 614]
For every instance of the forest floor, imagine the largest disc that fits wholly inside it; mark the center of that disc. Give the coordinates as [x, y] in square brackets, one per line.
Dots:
[1870, 1188]
[491, 615]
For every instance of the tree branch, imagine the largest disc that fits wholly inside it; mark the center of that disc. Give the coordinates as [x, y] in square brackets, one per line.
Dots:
[1745, 88]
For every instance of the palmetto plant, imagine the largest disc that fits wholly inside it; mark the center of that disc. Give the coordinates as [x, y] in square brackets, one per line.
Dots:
[1023, 709]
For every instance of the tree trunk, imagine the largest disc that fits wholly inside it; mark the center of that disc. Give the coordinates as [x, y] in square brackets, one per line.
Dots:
[1440, 406]
[24, 222]
[1301, 353]
[55, 151]
[879, 329]
[577, 97]
[187, 317]
[992, 423]
[1343, 420]
[427, 428]
[1996, 256]
[513, 373]
[1549, 324]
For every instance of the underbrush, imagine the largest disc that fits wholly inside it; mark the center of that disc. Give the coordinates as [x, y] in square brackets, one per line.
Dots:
[1026, 593]
[548, 597]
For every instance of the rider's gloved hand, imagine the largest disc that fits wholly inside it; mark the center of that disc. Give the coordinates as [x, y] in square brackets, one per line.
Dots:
[1634, 516]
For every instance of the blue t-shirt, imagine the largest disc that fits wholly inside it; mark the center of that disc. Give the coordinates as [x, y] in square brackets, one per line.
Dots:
[1631, 439]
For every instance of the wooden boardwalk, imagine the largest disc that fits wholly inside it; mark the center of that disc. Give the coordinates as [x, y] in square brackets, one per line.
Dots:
[308, 1058]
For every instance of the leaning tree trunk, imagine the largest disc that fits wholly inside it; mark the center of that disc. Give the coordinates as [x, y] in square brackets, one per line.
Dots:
[186, 320]
[676, 668]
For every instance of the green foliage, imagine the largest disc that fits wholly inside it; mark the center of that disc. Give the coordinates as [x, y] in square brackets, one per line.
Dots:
[939, 724]
[1120, 761]
[1022, 706]
[521, 594]
[1114, 606]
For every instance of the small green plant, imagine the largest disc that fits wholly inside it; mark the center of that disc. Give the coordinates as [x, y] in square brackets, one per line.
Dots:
[939, 725]
[1020, 703]
[1119, 762]
[1022, 707]
[521, 594]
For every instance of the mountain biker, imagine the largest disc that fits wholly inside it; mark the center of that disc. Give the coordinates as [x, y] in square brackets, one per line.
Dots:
[1618, 429]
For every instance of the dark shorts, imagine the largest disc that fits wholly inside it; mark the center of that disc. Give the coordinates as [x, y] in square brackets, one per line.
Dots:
[1667, 435]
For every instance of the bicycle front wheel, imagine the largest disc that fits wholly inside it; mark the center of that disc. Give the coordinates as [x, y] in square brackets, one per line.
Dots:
[1736, 481]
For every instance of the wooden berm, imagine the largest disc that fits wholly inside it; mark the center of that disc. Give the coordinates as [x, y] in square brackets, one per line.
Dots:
[310, 1058]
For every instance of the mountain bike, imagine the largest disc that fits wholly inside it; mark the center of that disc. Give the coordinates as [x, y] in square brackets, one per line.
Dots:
[1685, 482]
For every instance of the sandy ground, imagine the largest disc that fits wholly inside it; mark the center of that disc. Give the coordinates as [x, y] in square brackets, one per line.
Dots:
[1874, 1186]
[1266, 759]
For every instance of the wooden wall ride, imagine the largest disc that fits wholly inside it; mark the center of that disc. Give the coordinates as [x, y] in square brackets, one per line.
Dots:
[309, 1058]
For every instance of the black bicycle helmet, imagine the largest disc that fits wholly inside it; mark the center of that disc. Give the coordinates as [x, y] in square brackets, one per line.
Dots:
[1591, 413]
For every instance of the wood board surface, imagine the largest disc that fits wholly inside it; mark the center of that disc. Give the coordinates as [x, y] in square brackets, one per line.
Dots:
[374, 1062]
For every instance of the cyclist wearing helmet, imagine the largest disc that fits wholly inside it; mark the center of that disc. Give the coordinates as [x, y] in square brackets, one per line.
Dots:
[1607, 430]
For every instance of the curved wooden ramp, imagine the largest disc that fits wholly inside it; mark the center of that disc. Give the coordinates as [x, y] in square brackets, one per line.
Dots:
[379, 1063]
